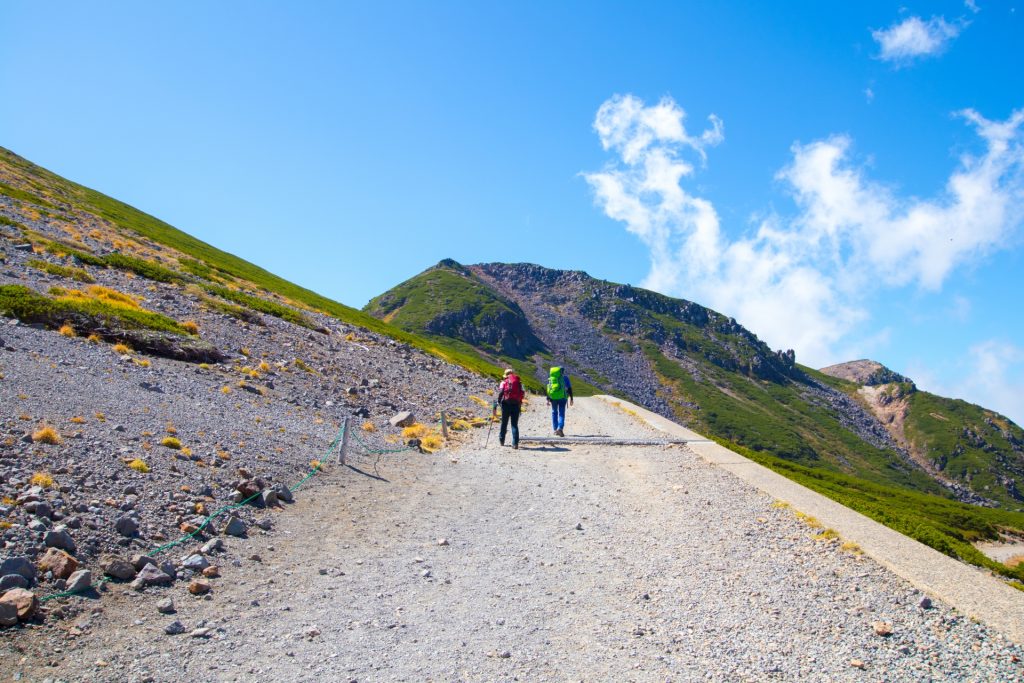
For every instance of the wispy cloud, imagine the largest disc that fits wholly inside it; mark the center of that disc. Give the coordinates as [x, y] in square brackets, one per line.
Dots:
[801, 281]
[915, 38]
[992, 376]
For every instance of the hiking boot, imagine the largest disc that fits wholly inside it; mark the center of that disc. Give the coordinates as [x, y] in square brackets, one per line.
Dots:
[515, 447]
[559, 432]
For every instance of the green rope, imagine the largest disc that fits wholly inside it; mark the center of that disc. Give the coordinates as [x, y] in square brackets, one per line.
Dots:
[367, 450]
[227, 508]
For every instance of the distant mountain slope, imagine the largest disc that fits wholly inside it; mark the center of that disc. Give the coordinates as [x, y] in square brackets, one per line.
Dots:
[706, 371]
[966, 445]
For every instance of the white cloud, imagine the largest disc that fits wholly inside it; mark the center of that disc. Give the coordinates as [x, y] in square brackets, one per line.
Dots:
[869, 95]
[802, 281]
[972, 5]
[913, 38]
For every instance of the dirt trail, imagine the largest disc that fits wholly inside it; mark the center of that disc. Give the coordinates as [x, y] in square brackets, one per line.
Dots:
[560, 563]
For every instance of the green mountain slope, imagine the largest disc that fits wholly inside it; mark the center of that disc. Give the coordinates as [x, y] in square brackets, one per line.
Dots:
[140, 242]
[706, 371]
[973, 447]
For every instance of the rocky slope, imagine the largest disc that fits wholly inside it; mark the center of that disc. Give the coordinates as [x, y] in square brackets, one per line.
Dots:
[115, 439]
[975, 451]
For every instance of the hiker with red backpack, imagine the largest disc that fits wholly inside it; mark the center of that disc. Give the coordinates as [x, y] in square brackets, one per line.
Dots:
[510, 398]
[559, 390]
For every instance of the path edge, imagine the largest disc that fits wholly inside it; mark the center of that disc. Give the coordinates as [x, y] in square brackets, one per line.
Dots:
[974, 592]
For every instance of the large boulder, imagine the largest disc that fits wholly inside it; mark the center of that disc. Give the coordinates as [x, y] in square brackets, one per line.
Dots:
[18, 565]
[117, 568]
[24, 602]
[80, 581]
[60, 563]
[151, 575]
[403, 419]
[59, 538]
[235, 527]
[9, 581]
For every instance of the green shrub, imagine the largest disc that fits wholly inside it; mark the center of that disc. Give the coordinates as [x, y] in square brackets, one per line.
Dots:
[87, 315]
[4, 220]
[61, 249]
[262, 305]
[15, 193]
[197, 268]
[76, 274]
[146, 269]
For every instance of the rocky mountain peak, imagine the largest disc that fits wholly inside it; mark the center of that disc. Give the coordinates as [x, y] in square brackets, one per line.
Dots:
[865, 372]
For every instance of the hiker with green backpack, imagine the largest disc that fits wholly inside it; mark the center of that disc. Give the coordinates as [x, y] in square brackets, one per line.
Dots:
[559, 390]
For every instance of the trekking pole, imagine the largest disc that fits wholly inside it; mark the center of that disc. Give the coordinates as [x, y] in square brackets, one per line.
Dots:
[489, 428]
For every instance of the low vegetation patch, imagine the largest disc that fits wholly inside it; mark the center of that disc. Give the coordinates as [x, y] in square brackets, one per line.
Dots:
[262, 305]
[81, 311]
[47, 435]
[69, 272]
[41, 479]
[139, 466]
[171, 442]
[147, 269]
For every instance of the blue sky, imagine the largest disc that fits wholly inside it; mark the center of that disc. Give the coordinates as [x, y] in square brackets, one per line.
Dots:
[844, 178]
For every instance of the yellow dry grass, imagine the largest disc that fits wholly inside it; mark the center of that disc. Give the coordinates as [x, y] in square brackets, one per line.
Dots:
[41, 479]
[46, 434]
[139, 466]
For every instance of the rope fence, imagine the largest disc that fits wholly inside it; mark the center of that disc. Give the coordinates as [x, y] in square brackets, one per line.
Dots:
[339, 446]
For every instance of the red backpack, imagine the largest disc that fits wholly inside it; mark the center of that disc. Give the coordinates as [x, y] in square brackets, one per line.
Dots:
[512, 388]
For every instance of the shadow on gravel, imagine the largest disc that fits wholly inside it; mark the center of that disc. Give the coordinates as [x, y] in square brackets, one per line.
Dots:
[367, 474]
[550, 449]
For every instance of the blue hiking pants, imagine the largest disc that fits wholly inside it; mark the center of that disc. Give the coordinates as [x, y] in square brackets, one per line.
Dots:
[558, 413]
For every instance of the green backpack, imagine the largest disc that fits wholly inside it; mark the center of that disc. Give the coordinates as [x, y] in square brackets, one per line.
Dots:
[556, 386]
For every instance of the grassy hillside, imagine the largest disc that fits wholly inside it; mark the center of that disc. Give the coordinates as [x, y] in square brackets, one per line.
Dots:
[42, 192]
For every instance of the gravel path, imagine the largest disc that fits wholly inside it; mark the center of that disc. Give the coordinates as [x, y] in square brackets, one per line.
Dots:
[581, 563]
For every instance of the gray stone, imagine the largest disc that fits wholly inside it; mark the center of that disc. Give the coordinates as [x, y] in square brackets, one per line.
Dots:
[212, 546]
[165, 606]
[167, 567]
[269, 498]
[174, 628]
[79, 581]
[118, 568]
[151, 575]
[283, 493]
[140, 561]
[39, 509]
[403, 419]
[60, 538]
[12, 581]
[196, 563]
[19, 565]
[8, 614]
[926, 603]
[235, 527]
[126, 526]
